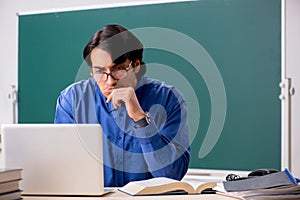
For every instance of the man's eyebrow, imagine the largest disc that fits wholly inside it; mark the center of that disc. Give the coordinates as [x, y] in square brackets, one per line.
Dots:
[102, 68]
[112, 66]
[98, 67]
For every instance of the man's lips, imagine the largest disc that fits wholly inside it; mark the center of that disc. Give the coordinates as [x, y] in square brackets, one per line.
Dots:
[108, 90]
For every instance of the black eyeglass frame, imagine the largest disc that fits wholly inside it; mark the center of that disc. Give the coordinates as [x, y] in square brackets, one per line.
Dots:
[126, 69]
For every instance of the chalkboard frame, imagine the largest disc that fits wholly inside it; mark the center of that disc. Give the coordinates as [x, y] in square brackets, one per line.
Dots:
[241, 37]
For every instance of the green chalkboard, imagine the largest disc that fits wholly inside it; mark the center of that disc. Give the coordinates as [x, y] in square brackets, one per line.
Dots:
[224, 56]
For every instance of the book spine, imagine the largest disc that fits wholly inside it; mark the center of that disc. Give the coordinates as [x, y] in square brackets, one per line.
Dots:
[290, 176]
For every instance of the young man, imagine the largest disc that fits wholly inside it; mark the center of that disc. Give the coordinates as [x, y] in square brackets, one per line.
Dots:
[144, 121]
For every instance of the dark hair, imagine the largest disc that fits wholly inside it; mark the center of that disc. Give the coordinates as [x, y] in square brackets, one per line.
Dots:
[117, 41]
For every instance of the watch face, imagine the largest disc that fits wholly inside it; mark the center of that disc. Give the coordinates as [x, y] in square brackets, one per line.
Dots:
[148, 119]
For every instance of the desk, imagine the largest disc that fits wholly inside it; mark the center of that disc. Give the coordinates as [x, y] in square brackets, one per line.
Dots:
[120, 195]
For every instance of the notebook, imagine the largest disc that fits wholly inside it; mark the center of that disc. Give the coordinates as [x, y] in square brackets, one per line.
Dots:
[57, 159]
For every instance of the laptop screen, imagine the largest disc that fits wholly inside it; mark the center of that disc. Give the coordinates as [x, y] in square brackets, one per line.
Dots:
[57, 159]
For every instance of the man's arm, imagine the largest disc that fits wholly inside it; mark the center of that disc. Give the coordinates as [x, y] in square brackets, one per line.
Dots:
[165, 143]
[76, 104]
[63, 112]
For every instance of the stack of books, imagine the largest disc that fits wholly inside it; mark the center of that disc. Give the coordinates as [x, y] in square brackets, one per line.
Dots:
[279, 185]
[10, 184]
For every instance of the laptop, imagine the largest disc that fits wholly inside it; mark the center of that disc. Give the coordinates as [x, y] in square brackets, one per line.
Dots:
[57, 159]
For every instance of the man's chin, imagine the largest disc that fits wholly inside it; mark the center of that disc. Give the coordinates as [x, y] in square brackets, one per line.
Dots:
[106, 93]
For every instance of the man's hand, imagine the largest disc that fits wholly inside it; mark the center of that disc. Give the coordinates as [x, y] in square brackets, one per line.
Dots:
[128, 96]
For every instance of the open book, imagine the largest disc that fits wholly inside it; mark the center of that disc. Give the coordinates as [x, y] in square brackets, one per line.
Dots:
[162, 185]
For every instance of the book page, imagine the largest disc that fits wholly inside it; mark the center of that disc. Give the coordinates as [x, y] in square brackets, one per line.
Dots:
[200, 185]
[162, 185]
[156, 182]
[204, 186]
[158, 185]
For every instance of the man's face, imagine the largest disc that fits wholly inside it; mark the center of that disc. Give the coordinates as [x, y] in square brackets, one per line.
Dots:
[102, 62]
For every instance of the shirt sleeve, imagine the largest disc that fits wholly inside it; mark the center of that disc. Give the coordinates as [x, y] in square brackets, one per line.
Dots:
[76, 103]
[165, 141]
[63, 112]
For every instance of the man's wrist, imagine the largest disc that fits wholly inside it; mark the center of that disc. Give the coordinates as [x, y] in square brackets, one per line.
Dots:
[143, 122]
[138, 116]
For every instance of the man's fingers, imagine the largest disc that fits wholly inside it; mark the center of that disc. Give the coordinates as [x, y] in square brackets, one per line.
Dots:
[115, 99]
[120, 96]
[115, 102]
[109, 98]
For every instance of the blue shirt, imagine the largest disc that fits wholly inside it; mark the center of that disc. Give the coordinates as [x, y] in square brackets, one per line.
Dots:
[161, 149]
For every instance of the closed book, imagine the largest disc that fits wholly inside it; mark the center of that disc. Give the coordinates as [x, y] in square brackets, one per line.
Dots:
[281, 192]
[277, 179]
[9, 174]
[11, 195]
[9, 186]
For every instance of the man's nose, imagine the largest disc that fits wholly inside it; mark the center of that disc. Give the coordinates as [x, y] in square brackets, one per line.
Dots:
[110, 80]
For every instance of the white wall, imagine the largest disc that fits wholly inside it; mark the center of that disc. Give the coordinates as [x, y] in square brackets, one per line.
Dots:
[293, 72]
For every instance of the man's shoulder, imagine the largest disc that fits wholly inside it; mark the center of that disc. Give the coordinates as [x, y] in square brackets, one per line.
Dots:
[153, 83]
[80, 87]
[150, 85]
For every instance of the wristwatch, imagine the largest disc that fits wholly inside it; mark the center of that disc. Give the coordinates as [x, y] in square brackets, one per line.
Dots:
[143, 122]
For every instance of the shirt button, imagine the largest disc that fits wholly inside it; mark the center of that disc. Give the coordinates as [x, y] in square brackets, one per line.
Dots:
[119, 137]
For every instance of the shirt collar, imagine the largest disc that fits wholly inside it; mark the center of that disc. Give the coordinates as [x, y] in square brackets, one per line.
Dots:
[141, 82]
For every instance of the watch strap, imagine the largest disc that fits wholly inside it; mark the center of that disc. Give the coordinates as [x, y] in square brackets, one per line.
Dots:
[143, 122]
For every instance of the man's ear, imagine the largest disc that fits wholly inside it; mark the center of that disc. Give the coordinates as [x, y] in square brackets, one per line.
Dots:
[137, 65]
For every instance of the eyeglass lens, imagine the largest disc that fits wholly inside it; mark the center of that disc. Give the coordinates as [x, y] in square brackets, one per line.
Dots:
[115, 74]
[103, 76]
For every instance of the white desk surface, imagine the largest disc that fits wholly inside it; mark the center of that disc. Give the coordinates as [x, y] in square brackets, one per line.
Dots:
[120, 195]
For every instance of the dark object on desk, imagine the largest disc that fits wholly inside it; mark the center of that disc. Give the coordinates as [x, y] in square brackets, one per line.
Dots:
[261, 172]
[208, 191]
[270, 180]
[255, 173]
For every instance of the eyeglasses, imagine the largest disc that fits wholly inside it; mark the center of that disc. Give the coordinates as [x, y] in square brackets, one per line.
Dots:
[117, 73]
